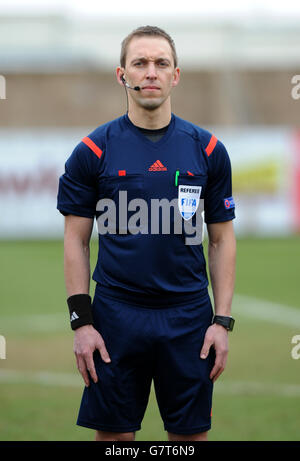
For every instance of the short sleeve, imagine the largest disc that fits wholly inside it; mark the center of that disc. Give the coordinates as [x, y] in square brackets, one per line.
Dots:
[77, 190]
[219, 204]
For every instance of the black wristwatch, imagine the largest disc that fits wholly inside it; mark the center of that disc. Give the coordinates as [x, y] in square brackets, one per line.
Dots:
[226, 322]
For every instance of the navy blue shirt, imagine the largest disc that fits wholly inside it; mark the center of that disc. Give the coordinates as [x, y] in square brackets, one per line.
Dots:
[117, 156]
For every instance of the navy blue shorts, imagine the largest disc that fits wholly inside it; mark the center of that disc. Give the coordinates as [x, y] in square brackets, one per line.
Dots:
[149, 342]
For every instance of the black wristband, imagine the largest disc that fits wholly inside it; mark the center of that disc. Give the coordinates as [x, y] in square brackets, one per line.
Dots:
[80, 307]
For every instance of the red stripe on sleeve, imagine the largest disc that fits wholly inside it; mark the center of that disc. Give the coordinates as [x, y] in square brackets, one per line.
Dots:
[92, 146]
[211, 145]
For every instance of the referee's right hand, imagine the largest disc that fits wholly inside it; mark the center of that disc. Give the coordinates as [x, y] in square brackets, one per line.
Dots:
[86, 341]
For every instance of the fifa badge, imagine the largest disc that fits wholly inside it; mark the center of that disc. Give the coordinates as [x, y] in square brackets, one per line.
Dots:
[188, 200]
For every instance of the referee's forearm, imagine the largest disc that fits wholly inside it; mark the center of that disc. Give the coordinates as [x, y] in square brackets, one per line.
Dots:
[222, 274]
[76, 266]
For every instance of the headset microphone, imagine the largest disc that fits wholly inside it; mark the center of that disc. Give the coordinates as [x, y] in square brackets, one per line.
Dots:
[136, 88]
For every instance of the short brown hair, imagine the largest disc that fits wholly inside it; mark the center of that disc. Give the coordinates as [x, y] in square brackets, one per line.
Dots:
[150, 31]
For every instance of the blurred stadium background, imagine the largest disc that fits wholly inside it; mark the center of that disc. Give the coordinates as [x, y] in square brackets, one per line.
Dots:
[58, 83]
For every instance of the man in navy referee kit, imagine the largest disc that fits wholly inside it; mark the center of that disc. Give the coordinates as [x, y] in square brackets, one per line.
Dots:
[150, 318]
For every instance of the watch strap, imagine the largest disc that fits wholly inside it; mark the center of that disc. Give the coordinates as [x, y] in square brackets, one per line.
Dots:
[226, 321]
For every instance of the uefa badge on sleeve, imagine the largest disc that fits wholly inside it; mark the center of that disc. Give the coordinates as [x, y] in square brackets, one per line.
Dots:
[229, 203]
[188, 200]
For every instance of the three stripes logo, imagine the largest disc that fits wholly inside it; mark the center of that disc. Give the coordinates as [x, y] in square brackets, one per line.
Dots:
[74, 316]
[157, 166]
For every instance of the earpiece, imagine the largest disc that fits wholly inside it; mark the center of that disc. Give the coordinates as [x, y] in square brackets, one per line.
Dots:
[136, 88]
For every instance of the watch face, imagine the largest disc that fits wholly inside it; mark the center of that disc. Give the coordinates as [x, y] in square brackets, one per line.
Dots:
[226, 322]
[231, 323]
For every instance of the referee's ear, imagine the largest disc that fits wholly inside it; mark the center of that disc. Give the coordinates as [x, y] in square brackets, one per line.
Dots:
[176, 77]
[120, 71]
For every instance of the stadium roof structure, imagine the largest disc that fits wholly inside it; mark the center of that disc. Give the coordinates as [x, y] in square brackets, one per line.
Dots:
[60, 43]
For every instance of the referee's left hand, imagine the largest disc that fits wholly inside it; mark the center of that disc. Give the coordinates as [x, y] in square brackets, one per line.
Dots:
[216, 336]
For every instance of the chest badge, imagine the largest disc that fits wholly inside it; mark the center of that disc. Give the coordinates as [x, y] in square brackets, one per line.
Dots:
[188, 200]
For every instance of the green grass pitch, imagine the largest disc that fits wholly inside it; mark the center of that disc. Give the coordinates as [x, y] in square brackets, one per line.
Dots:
[256, 398]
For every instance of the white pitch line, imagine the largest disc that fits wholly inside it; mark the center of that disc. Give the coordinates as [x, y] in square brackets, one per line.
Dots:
[257, 388]
[46, 378]
[246, 306]
[268, 311]
[50, 378]
[34, 323]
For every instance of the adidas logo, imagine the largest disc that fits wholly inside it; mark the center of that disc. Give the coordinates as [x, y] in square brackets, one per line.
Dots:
[74, 316]
[157, 166]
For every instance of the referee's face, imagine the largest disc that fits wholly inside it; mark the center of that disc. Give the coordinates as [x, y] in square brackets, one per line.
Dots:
[150, 65]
